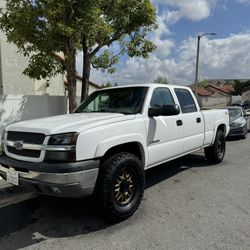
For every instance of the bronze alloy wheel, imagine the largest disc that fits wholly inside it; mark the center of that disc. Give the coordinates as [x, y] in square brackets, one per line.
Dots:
[124, 187]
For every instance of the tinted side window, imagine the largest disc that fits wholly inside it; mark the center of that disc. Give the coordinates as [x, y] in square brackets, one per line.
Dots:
[161, 96]
[186, 101]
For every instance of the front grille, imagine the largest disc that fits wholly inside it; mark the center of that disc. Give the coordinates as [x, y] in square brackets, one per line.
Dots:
[25, 137]
[24, 152]
[33, 138]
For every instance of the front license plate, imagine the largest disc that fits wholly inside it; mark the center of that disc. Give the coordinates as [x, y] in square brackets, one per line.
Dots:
[12, 177]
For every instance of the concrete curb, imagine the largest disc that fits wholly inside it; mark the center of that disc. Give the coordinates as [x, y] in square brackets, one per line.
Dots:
[3, 183]
[10, 194]
[7, 189]
[15, 198]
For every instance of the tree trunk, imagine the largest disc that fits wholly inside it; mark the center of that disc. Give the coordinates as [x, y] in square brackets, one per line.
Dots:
[85, 76]
[70, 60]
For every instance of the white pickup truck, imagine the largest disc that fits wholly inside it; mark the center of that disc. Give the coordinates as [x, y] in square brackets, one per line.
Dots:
[106, 145]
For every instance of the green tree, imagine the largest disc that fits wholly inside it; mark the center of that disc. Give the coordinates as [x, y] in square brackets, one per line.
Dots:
[42, 28]
[239, 86]
[108, 85]
[162, 80]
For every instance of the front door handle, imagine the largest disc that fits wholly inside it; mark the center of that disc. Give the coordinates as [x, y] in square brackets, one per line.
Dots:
[198, 120]
[179, 123]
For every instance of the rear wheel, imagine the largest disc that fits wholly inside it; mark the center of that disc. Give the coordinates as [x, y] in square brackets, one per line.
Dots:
[120, 186]
[215, 153]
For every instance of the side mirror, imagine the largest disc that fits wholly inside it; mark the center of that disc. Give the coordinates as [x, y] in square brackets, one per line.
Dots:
[170, 110]
[166, 110]
[152, 112]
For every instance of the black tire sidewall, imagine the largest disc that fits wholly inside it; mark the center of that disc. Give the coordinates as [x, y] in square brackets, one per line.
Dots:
[211, 153]
[108, 173]
[220, 137]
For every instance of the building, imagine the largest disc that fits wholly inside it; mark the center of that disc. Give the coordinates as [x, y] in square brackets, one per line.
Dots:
[214, 96]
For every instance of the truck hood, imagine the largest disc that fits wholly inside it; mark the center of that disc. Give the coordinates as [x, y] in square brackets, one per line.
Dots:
[68, 123]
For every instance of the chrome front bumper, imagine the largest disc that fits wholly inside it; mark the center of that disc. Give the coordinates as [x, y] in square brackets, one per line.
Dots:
[71, 184]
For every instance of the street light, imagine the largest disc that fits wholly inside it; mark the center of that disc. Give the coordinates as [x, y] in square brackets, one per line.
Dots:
[197, 59]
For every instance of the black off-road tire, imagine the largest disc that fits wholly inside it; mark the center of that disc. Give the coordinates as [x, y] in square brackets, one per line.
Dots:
[215, 153]
[108, 182]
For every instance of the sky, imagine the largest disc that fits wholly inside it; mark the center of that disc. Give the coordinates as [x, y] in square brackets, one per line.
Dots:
[224, 56]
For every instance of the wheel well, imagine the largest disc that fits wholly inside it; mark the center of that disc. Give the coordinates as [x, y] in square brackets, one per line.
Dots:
[222, 127]
[131, 147]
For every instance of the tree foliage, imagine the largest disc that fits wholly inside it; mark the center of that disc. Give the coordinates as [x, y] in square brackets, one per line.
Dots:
[41, 28]
[109, 85]
[240, 87]
[162, 80]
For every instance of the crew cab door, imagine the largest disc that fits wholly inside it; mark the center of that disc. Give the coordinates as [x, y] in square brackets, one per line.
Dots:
[165, 133]
[193, 120]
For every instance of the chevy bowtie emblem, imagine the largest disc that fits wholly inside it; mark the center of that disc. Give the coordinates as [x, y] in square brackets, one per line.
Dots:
[18, 145]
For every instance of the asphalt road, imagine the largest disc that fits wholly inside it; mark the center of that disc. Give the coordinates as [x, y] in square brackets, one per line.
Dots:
[188, 205]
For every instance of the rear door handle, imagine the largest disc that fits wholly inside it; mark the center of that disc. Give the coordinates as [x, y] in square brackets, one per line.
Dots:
[198, 120]
[179, 123]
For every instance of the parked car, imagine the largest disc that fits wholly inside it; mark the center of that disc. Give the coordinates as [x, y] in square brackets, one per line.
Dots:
[237, 121]
[244, 104]
[105, 147]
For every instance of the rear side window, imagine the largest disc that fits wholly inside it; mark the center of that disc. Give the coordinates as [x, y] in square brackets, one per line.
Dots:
[186, 101]
[161, 97]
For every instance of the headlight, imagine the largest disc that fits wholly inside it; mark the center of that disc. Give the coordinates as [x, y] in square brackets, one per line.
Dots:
[62, 156]
[63, 139]
[241, 122]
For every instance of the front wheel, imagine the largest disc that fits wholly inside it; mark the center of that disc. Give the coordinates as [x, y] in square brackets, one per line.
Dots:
[120, 186]
[215, 153]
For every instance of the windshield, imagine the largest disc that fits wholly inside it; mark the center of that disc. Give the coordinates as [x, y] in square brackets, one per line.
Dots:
[235, 113]
[121, 100]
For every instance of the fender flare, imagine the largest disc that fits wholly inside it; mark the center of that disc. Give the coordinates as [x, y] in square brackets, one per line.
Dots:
[107, 144]
[217, 125]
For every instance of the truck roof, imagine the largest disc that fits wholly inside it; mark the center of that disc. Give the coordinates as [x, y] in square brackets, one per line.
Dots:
[150, 85]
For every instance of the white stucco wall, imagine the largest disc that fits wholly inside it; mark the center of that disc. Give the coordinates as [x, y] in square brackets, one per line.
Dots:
[15, 83]
[214, 102]
[12, 66]
[92, 88]
[53, 86]
[20, 108]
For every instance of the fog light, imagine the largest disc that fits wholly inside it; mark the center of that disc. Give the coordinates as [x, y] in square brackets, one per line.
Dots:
[56, 190]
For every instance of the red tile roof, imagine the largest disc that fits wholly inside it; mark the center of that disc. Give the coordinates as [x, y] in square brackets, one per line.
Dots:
[227, 89]
[201, 91]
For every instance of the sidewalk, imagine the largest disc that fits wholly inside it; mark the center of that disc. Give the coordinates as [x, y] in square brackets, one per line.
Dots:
[6, 188]
[10, 194]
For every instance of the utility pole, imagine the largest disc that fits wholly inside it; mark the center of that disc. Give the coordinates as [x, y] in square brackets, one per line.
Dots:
[197, 59]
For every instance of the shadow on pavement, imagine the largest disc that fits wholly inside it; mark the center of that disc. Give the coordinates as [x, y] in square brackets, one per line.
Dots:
[36, 220]
[234, 138]
[172, 168]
